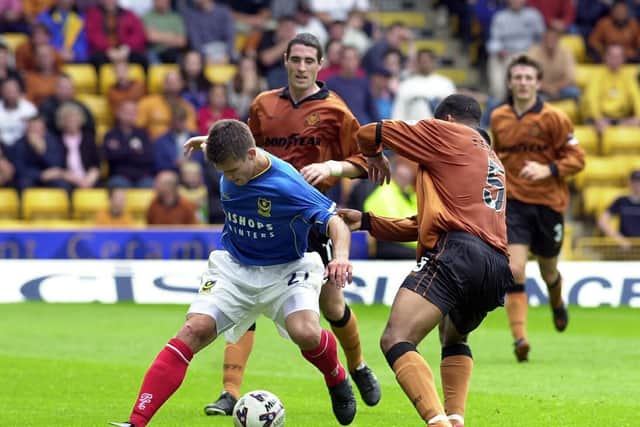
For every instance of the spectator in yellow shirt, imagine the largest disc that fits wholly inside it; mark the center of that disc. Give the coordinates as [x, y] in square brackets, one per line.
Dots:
[116, 214]
[612, 96]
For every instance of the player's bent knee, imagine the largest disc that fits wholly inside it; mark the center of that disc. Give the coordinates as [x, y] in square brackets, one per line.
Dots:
[304, 329]
[198, 331]
[397, 350]
[390, 338]
[518, 271]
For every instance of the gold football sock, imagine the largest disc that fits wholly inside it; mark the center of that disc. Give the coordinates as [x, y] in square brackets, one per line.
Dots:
[349, 339]
[455, 372]
[416, 379]
[516, 306]
[235, 360]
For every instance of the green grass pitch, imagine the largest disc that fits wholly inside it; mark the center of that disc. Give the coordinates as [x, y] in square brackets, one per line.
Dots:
[81, 365]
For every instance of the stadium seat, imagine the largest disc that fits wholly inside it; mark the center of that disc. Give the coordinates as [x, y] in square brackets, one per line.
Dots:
[240, 41]
[595, 198]
[609, 170]
[101, 130]
[569, 107]
[588, 138]
[410, 19]
[437, 46]
[575, 44]
[83, 76]
[99, 107]
[138, 201]
[9, 203]
[459, 75]
[13, 40]
[155, 76]
[86, 202]
[585, 72]
[45, 203]
[220, 73]
[621, 140]
[107, 75]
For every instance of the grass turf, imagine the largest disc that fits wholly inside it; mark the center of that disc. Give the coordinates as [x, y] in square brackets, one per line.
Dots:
[81, 365]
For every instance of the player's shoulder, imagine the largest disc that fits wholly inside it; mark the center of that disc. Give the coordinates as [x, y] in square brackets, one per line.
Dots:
[336, 102]
[268, 95]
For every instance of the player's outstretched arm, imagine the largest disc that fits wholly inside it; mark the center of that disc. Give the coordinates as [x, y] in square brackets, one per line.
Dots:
[339, 271]
[351, 217]
[194, 143]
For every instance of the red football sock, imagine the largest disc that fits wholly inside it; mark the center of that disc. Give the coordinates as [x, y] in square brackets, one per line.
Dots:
[325, 358]
[163, 378]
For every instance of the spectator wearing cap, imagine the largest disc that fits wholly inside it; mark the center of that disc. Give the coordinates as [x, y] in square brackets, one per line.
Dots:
[627, 208]
[418, 95]
[352, 88]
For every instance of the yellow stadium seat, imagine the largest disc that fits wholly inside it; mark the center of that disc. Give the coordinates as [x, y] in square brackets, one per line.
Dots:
[602, 171]
[569, 107]
[13, 40]
[586, 72]
[45, 203]
[437, 46]
[9, 203]
[575, 44]
[83, 77]
[633, 163]
[101, 130]
[138, 201]
[458, 75]
[220, 73]
[86, 202]
[410, 19]
[588, 138]
[620, 140]
[155, 76]
[99, 107]
[595, 199]
[107, 75]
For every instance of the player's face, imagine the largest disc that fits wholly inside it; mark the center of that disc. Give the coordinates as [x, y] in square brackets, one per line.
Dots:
[302, 67]
[238, 171]
[523, 83]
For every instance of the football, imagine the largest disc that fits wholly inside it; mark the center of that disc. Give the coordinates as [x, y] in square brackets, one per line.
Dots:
[258, 408]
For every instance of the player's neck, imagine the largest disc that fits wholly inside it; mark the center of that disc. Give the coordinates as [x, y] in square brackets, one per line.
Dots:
[297, 96]
[262, 163]
[522, 107]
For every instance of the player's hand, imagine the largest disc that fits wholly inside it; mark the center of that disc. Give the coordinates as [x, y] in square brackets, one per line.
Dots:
[315, 173]
[351, 217]
[339, 272]
[379, 171]
[194, 143]
[535, 171]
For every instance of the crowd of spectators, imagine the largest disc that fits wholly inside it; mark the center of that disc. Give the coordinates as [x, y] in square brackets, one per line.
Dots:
[49, 135]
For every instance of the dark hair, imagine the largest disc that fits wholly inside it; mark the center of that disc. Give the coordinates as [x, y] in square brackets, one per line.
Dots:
[462, 108]
[306, 39]
[426, 51]
[526, 61]
[228, 139]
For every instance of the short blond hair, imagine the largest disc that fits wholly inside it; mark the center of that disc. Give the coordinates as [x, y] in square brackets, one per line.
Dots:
[69, 108]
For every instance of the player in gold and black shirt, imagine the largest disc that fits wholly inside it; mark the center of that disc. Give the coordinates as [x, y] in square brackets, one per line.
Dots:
[463, 268]
[539, 151]
[311, 127]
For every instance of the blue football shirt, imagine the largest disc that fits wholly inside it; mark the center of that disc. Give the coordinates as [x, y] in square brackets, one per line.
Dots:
[267, 221]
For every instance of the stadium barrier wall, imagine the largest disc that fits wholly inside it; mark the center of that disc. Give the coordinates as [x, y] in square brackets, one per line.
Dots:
[588, 284]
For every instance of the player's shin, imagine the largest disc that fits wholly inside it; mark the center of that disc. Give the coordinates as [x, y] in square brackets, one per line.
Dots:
[162, 379]
[516, 305]
[325, 358]
[416, 379]
[346, 331]
[235, 360]
[455, 371]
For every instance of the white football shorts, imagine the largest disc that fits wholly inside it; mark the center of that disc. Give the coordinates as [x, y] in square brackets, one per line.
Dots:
[235, 294]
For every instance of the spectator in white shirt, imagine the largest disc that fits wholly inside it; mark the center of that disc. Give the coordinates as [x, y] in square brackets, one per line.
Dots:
[15, 110]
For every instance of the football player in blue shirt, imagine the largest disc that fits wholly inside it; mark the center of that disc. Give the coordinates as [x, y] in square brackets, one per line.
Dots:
[264, 269]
